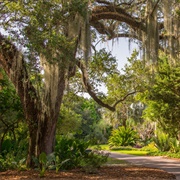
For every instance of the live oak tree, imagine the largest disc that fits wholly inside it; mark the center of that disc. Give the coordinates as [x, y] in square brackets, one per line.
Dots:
[54, 44]
[49, 40]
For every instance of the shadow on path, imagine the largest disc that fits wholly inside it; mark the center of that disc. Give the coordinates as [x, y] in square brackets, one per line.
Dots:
[169, 165]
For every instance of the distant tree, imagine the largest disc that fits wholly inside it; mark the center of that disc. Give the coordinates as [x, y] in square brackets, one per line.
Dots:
[90, 113]
[69, 122]
[162, 98]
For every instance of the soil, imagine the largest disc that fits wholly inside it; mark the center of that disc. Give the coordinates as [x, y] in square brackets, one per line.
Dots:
[115, 172]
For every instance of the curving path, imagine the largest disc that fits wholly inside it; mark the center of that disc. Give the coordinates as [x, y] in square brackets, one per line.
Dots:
[169, 165]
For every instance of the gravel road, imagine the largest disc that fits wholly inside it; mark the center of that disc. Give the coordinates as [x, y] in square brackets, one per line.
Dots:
[167, 164]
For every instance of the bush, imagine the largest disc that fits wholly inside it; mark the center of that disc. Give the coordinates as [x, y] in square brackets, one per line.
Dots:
[72, 149]
[162, 142]
[11, 162]
[13, 154]
[151, 147]
[7, 163]
[93, 160]
[71, 153]
[175, 146]
[123, 137]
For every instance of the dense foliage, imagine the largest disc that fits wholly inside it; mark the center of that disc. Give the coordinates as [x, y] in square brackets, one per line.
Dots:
[123, 137]
[13, 129]
[45, 45]
[162, 98]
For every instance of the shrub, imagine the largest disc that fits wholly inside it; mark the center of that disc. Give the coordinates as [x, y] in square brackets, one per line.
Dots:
[11, 162]
[162, 141]
[71, 149]
[71, 153]
[123, 137]
[93, 160]
[174, 145]
[151, 147]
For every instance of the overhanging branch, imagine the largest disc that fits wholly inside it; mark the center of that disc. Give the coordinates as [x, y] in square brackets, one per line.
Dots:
[115, 13]
[124, 98]
[88, 86]
[92, 94]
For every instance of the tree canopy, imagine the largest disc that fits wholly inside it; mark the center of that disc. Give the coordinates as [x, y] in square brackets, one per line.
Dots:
[48, 42]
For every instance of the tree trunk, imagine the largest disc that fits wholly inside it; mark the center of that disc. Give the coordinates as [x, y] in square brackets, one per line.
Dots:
[32, 146]
[41, 109]
[42, 133]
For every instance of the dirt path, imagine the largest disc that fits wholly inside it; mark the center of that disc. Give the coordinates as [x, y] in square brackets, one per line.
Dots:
[167, 164]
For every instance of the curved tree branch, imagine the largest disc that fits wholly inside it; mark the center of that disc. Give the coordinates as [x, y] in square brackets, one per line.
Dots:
[103, 2]
[116, 13]
[88, 86]
[92, 94]
[110, 11]
[124, 98]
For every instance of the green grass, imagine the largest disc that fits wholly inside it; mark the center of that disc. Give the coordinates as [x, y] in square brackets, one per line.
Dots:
[123, 150]
[101, 147]
[132, 152]
[168, 154]
[115, 161]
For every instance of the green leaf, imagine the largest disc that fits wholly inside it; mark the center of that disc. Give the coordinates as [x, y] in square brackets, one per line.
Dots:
[43, 158]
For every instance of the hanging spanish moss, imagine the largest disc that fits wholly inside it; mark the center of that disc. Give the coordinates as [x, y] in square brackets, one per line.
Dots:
[151, 35]
[162, 32]
[79, 27]
[171, 30]
[85, 41]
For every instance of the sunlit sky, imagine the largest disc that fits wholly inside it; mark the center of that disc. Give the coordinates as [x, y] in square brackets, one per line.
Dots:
[121, 49]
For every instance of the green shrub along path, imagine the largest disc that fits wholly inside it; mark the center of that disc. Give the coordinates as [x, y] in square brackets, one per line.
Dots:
[167, 164]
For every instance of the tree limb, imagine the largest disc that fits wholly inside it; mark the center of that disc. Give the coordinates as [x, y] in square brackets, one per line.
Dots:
[124, 98]
[155, 6]
[92, 94]
[88, 86]
[115, 13]
[103, 2]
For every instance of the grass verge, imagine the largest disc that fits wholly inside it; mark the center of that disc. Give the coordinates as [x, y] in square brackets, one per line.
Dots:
[132, 152]
[123, 150]
[112, 161]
